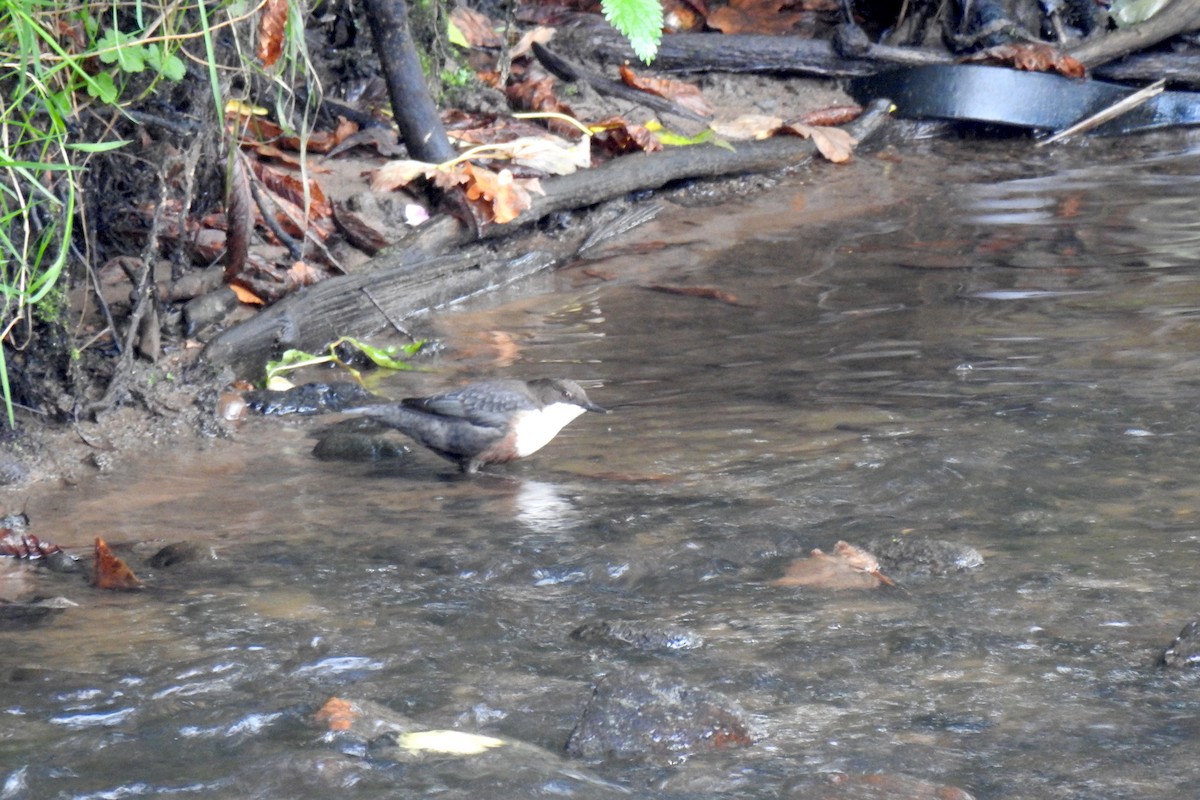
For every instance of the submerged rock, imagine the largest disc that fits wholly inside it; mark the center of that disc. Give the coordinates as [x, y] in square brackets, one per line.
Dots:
[634, 716]
[308, 398]
[648, 636]
[15, 616]
[1184, 651]
[875, 786]
[358, 441]
[176, 553]
[909, 557]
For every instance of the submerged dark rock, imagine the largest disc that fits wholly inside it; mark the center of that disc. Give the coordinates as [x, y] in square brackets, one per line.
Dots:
[176, 553]
[636, 716]
[911, 557]
[15, 616]
[308, 398]
[357, 440]
[1184, 652]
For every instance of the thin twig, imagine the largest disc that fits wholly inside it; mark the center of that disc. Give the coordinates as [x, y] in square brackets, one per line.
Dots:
[1118, 108]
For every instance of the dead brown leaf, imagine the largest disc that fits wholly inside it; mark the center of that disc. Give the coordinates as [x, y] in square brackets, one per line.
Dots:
[448, 178]
[683, 94]
[302, 274]
[245, 295]
[704, 292]
[616, 136]
[292, 189]
[1032, 57]
[755, 16]
[541, 35]
[291, 159]
[271, 29]
[682, 16]
[848, 567]
[834, 143]
[830, 116]
[506, 196]
[747, 126]
[386, 142]
[110, 572]
[336, 715]
[25, 545]
[538, 95]
[239, 217]
[476, 28]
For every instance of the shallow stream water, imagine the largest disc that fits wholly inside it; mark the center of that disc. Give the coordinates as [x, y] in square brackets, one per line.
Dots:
[973, 341]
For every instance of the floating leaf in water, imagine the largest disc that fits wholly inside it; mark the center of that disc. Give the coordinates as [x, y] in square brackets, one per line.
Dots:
[110, 572]
[458, 743]
[848, 567]
[336, 715]
[25, 545]
[391, 357]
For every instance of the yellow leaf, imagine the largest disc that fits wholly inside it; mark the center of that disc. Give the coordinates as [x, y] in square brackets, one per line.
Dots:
[450, 742]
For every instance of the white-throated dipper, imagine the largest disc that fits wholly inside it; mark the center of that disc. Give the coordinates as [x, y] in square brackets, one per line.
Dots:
[491, 422]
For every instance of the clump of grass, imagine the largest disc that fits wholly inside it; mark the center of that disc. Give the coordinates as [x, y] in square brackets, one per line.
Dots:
[55, 59]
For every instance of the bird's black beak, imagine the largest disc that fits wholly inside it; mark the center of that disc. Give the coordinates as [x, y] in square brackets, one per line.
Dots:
[596, 408]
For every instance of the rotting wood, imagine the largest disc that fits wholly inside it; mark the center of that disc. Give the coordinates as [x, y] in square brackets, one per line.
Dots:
[682, 53]
[400, 283]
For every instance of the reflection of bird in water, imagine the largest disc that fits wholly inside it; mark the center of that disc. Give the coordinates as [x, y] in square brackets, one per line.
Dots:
[491, 422]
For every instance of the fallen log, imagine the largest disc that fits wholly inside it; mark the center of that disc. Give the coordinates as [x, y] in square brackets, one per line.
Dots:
[682, 53]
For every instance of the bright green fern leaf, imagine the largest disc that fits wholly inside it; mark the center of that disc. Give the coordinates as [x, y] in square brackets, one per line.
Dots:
[640, 21]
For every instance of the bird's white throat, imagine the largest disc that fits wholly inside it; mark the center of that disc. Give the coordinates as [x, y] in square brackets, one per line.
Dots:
[534, 429]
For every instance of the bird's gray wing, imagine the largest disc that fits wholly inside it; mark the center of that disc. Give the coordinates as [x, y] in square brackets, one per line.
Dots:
[488, 404]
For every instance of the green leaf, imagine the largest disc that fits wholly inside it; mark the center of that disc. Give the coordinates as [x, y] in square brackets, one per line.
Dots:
[101, 87]
[173, 68]
[706, 136]
[97, 147]
[121, 49]
[640, 21]
[387, 357]
[59, 103]
[1127, 13]
[168, 65]
[456, 36]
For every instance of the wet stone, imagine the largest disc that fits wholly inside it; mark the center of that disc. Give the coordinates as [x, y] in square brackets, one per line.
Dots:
[875, 786]
[16, 616]
[17, 523]
[178, 553]
[60, 561]
[12, 470]
[647, 636]
[910, 557]
[346, 443]
[309, 398]
[637, 716]
[1184, 652]
[103, 461]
